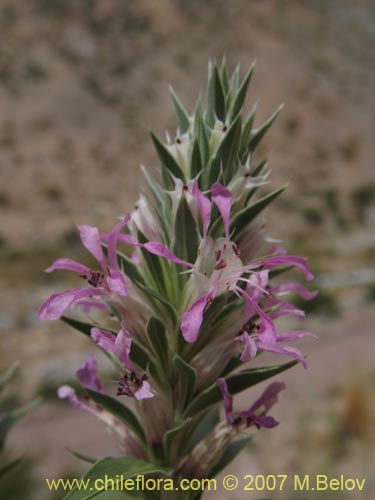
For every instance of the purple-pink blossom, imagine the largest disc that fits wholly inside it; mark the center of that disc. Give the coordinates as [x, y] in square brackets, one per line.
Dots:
[252, 416]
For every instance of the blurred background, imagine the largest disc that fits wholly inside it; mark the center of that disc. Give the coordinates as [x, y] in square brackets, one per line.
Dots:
[81, 82]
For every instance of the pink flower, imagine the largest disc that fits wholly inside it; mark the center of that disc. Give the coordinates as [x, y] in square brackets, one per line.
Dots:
[107, 282]
[251, 416]
[130, 384]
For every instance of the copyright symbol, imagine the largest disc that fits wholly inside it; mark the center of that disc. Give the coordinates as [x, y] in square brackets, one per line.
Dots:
[230, 482]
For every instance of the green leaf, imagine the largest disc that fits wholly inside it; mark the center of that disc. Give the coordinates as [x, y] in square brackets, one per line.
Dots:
[7, 374]
[129, 267]
[4, 468]
[186, 240]
[236, 383]
[231, 451]
[172, 439]
[112, 468]
[196, 160]
[165, 308]
[81, 456]
[224, 76]
[209, 117]
[257, 171]
[241, 94]
[120, 411]
[235, 80]
[225, 157]
[202, 136]
[167, 159]
[186, 377]
[81, 326]
[219, 96]
[11, 418]
[232, 364]
[204, 425]
[247, 214]
[258, 134]
[183, 117]
[246, 133]
[154, 265]
[158, 338]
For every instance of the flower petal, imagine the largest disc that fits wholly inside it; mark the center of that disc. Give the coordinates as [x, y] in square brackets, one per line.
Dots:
[159, 249]
[144, 392]
[112, 239]
[295, 288]
[228, 400]
[192, 318]
[295, 335]
[103, 339]
[286, 350]
[122, 347]
[286, 260]
[204, 205]
[250, 347]
[269, 397]
[222, 198]
[87, 375]
[116, 283]
[90, 238]
[67, 392]
[69, 265]
[55, 306]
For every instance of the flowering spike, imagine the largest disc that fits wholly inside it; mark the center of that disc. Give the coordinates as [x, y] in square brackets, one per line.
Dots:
[184, 292]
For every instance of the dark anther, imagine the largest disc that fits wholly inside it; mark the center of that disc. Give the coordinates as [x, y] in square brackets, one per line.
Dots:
[225, 128]
[95, 278]
[235, 249]
[178, 140]
[220, 265]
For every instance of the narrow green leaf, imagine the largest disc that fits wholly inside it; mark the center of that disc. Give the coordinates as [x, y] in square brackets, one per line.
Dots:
[173, 438]
[182, 115]
[186, 377]
[235, 79]
[154, 265]
[167, 159]
[236, 383]
[241, 94]
[228, 150]
[256, 172]
[246, 134]
[247, 214]
[11, 418]
[7, 374]
[230, 453]
[232, 364]
[209, 117]
[186, 240]
[224, 76]
[81, 326]
[202, 136]
[204, 425]
[112, 468]
[4, 468]
[219, 96]
[158, 338]
[129, 267]
[120, 411]
[83, 457]
[258, 134]
[196, 160]
[159, 303]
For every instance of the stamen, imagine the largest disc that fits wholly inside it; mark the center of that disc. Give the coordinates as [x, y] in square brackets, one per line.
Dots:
[220, 265]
